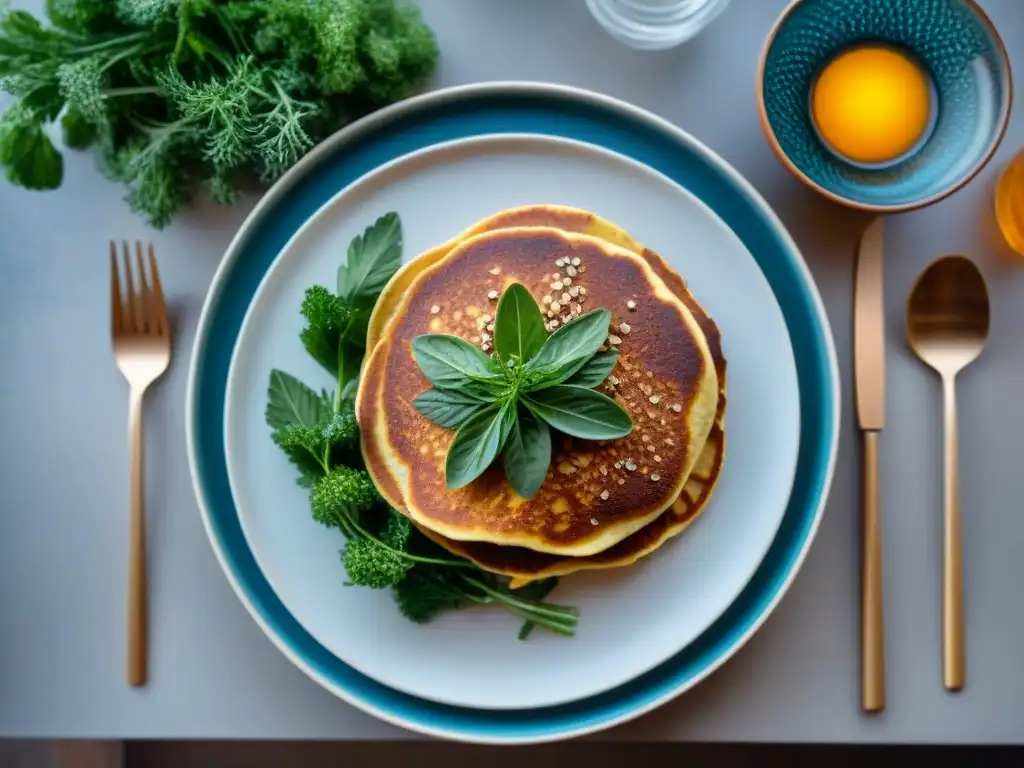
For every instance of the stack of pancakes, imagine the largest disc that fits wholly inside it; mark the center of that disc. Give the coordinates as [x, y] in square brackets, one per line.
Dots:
[603, 504]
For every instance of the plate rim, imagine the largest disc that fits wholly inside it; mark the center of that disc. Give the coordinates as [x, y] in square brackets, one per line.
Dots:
[423, 155]
[444, 97]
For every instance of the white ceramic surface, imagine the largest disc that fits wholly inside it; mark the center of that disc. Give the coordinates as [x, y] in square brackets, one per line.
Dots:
[630, 619]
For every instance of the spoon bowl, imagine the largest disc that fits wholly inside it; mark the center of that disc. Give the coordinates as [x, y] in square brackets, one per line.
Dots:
[948, 314]
[947, 326]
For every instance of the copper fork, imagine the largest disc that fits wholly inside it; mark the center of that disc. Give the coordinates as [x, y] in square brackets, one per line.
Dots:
[142, 349]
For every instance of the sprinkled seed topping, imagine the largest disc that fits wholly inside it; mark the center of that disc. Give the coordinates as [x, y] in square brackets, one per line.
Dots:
[551, 313]
[570, 271]
[495, 270]
[492, 295]
[655, 477]
[618, 465]
[613, 380]
[582, 269]
[559, 262]
[645, 438]
[614, 340]
[566, 297]
[435, 309]
[657, 458]
[625, 328]
[555, 306]
[575, 261]
[605, 495]
[566, 281]
[486, 318]
[621, 481]
[556, 275]
[557, 285]
[593, 521]
[547, 299]
[631, 465]
[490, 327]
[677, 408]
[577, 309]
[655, 399]
[574, 291]
[651, 448]
[485, 347]
[583, 291]
[485, 337]
[631, 305]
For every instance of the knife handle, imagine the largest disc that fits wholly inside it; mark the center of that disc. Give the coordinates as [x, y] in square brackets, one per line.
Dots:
[872, 627]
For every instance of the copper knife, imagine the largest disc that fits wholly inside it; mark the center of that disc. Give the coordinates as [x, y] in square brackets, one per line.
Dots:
[869, 379]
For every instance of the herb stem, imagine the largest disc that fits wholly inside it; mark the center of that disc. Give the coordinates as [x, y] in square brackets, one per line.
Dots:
[138, 90]
[112, 43]
[556, 612]
[408, 555]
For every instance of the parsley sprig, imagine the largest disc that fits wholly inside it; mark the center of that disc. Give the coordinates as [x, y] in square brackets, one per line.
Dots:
[508, 404]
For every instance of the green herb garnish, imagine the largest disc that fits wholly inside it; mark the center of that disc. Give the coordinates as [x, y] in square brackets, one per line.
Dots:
[318, 433]
[508, 404]
[181, 93]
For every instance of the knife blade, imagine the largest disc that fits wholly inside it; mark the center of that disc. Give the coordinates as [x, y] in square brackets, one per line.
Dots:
[869, 330]
[869, 382]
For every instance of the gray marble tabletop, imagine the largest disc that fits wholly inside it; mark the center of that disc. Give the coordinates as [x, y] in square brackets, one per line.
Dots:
[63, 522]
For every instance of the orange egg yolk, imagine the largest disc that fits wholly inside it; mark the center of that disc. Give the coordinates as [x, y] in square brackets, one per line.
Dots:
[871, 104]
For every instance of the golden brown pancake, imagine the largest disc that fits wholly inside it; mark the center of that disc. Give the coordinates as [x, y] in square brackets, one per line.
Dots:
[525, 565]
[667, 383]
[558, 216]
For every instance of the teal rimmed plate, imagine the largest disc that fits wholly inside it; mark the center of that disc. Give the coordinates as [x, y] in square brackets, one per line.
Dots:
[573, 122]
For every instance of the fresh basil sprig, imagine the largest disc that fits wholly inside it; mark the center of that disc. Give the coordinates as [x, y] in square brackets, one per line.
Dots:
[508, 404]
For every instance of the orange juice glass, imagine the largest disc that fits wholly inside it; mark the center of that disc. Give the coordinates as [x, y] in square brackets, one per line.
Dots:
[1010, 203]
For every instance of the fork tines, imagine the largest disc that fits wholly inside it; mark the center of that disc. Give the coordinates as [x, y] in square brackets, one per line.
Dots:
[137, 312]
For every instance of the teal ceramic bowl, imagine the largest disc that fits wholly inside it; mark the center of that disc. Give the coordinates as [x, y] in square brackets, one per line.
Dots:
[959, 48]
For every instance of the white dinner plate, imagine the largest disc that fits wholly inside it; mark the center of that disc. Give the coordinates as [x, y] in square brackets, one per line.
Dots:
[631, 619]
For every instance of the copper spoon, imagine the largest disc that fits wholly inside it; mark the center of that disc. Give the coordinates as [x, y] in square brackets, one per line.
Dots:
[947, 325]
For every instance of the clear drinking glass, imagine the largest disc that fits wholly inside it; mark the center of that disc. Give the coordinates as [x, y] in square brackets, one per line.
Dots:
[655, 24]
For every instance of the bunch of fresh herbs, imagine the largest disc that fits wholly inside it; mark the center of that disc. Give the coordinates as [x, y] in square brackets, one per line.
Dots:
[509, 403]
[180, 93]
[318, 433]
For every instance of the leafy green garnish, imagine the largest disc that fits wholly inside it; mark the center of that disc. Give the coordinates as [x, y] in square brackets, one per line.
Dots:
[595, 370]
[447, 407]
[519, 329]
[527, 454]
[319, 435]
[181, 94]
[477, 443]
[373, 258]
[27, 153]
[289, 402]
[449, 362]
[510, 406]
[569, 348]
[580, 412]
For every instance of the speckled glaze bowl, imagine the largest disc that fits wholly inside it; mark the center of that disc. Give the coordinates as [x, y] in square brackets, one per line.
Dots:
[960, 49]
